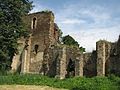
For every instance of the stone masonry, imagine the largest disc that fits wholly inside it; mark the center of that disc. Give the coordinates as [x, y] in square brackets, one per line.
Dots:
[41, 52]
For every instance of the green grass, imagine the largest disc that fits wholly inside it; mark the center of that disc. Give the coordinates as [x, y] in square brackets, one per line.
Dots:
[77, 83]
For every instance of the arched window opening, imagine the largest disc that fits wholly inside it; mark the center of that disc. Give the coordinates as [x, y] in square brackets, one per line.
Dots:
[34, 23]
[36, 48]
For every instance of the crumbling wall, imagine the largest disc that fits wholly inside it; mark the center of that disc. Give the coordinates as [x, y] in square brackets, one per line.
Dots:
[89, 68]
[40, 53]
[79, 65]
[118, 48]
[41, 39]
[103, 57]
[107, 57]
[44, 33]
[61, 63]
[100, 46]
[56, 33]
[17, 58]
[73, 61]
[52, 63]
[60, 58]
[115, 58]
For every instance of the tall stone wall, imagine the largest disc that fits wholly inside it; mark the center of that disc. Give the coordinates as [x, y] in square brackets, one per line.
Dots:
[26, 55]
[89, 68]
[73, 61]
[69, 62]
[61, 63]
[79, 65]
[17, 61]
[103, 57]
[107, 57]
[115, 58]
[54, 56]
[41, 39]
[100, 58]
[43, 34]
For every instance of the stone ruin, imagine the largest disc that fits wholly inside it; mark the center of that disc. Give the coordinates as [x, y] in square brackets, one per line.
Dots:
[41, 52]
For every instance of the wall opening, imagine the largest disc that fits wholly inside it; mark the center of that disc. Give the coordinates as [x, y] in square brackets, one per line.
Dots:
[70, 68]
[36, 49]
[106, 68]
[34, 23]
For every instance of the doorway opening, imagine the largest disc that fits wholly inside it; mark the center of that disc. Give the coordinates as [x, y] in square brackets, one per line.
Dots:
[70, 68]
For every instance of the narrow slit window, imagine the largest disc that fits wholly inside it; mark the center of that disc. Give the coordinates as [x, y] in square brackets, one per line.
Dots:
[36, 48]
[34, 23]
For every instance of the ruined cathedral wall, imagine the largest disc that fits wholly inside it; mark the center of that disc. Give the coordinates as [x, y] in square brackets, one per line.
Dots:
[42, 31]
[108, 47]
[79, 65]
[71, 62]
[54, 53]
[98, 62]
[115, 58]
[43, 34]
[118, 48]
[56, 34]
[42, 54]
[60, 57]
[89, 64]
[114, 62]
[42, 24]
[57, 62]
[118, 53]
[17, 58]
[71, 53]
[103, 57]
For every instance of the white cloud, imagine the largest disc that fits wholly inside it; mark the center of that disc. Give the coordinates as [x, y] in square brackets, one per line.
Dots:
[72, 21]
[88, 38]
[92, 16]
[96, 14]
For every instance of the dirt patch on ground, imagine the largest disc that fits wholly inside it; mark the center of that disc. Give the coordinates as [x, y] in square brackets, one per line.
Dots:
[27, 87]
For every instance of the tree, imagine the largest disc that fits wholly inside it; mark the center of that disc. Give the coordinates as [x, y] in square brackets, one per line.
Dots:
[82, 49]
[11, 28]
[68, 40]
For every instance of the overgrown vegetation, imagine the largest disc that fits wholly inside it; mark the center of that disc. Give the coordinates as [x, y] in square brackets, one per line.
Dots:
[11, 28]
[46, 11]
[78, 83]
[70, 41]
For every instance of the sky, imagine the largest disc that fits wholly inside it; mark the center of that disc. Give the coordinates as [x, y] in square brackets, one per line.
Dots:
[87, 21]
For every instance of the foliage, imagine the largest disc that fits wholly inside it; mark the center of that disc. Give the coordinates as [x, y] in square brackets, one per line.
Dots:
[68, 40]
[76, 83]
[46, 11]
[60, 33]
[82, 49]
[11, 28]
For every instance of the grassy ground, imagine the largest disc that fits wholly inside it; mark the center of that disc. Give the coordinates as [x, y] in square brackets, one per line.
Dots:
[26, 87]
[77, 83]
